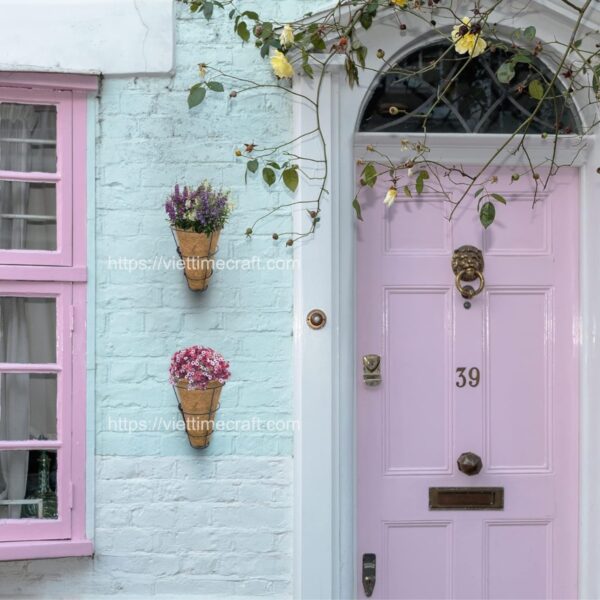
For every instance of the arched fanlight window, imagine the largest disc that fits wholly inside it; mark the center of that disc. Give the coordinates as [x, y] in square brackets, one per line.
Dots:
[476, 102]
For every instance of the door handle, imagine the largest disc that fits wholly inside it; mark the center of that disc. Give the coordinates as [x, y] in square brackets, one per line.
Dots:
[469, 463]
[369, 571]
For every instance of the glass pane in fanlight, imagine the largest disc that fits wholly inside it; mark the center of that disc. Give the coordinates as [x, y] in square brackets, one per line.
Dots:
[28, 484]
[27, 216]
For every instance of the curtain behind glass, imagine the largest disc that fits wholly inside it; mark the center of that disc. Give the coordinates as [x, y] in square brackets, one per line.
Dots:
[17, 122]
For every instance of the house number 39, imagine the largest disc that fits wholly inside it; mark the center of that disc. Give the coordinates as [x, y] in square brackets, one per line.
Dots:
[472, 377]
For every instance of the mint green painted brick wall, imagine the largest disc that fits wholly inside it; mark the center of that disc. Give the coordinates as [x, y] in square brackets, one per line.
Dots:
[170, 519]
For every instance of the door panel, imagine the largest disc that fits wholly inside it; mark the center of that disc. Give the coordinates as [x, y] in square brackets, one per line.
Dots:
[498, 378]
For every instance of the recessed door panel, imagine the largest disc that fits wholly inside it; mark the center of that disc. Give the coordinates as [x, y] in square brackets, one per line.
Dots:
[413, 551]
[415, 363]
[519, 362]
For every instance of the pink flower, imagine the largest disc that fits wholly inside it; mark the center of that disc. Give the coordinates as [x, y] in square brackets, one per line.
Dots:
[198, 366]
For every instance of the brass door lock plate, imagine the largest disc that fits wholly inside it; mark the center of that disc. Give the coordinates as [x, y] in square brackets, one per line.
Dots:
[372, 369]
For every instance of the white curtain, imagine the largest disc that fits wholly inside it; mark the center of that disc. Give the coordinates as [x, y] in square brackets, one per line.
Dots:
[27, 330]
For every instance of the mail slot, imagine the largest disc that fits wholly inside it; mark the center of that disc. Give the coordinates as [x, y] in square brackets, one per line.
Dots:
[466, 498]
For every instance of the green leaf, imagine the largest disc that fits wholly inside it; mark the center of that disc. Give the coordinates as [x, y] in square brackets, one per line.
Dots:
[290, 178]
[420, 184]
[215, 86]
[478, 192]
[596, 79]
[208, 9]
[487, 214]
[252, 165]
[273, 164]
[521, 58]
[317, 41]
[267, 30]
[529, 33]
[505, 72]
[308, 70]
[366, 20]
[361, 54]
[369, 175]
[407, 192]
[243, 31]
[196, 95]
[269, 176]
[250, 14]
[536, 89]
[357, 209]
[499, 198]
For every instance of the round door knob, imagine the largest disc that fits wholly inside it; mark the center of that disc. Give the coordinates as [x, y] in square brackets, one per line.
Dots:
[469, 463]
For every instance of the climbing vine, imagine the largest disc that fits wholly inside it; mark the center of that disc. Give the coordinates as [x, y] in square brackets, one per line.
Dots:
[308, 46]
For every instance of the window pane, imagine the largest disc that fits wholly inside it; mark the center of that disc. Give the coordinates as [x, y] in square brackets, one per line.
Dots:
[27, 406]
[28, 484]
[27, 216]
[27, 330]
[406, 98]
[27, 137]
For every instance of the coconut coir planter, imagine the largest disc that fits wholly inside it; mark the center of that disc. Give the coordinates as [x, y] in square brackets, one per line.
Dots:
[197, 217]
[198, 375]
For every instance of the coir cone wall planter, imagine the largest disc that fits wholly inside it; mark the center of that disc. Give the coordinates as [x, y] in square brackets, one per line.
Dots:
[198, 408]
[197, 251]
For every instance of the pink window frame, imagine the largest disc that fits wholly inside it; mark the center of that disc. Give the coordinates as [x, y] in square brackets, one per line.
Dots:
[61, 274]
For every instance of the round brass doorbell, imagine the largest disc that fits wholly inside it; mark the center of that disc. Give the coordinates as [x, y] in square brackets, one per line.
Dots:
[316, 319]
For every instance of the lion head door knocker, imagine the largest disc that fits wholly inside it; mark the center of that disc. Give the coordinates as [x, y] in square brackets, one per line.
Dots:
[467, 265]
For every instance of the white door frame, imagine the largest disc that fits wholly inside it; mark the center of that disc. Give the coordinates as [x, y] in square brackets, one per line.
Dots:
[324, 363]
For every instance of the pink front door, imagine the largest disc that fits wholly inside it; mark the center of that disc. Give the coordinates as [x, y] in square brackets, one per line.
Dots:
[498, 379]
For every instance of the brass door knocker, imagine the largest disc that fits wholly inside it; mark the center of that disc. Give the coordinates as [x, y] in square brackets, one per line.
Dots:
[467, 265]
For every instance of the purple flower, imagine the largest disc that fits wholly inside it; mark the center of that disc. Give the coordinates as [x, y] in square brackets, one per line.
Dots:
[203, 209]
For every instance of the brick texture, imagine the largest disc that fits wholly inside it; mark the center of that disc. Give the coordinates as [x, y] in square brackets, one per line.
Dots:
[170, 520]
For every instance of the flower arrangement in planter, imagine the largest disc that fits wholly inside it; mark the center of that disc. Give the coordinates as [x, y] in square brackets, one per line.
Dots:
[197, 216]
[198, 375]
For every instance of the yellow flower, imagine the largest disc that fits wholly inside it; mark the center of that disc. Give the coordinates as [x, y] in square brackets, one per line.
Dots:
[400, 3]
[281, 65]
[390, 197]
[286, 38]
[466, 40]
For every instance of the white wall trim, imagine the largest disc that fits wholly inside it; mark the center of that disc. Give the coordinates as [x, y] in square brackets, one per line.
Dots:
[113, 37]
[324, 374]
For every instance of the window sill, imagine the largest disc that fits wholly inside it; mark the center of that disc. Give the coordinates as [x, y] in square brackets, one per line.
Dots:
[46, 549]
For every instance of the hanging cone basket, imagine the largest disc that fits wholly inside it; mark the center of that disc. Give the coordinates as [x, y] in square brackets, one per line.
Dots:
[197, 251]
[198, 408]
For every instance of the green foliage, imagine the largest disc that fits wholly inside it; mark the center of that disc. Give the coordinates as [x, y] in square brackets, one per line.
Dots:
[269, 176]
[487, 214]
[290, 178]
[317, 40]
[536, 89]
[422, 176]
[196, 95]
[506, 72]
[369, 175]
[357, 209]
